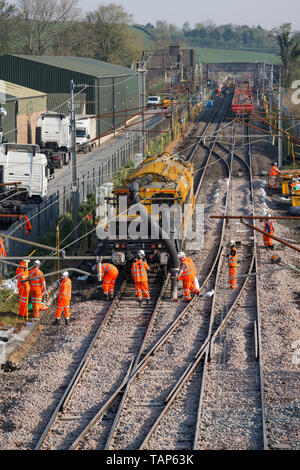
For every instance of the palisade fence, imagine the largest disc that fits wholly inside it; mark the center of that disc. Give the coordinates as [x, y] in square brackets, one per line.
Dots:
[43, 216]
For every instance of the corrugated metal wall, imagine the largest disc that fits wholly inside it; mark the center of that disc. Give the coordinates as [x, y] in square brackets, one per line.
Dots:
[101, 96]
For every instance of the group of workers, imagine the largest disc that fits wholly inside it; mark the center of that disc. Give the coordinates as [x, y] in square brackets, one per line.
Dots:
[31, 282]
[139, 273]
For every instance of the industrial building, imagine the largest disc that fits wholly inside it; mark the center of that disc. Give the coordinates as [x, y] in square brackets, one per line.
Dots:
[109, 89]
[23, 106]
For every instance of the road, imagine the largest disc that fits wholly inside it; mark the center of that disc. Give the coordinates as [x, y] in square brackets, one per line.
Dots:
[88, 161]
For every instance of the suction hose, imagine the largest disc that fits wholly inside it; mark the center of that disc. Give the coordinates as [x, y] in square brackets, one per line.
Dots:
[148, 219]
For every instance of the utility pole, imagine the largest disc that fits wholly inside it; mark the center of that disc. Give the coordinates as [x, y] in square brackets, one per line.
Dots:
[201, 78]
[280, 126]
[271, 98]
[171, 96]
[142, 104]
[75, 193]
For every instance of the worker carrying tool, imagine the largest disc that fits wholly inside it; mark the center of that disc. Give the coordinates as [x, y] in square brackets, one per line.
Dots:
[64, 298]
[269, 228]
[37, 287]
[274, 172]
[139, 274]
[232, 263]
[23, 286]
[2, 249]
[107, 273]
[187, 274]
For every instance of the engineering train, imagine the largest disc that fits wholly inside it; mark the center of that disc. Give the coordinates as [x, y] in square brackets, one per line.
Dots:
[152, 210]
[242, 103]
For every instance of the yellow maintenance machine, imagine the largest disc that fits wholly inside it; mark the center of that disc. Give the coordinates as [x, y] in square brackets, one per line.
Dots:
[160, 193]
[290, 186]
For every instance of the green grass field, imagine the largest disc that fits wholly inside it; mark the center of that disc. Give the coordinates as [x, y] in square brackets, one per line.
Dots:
[208, 55]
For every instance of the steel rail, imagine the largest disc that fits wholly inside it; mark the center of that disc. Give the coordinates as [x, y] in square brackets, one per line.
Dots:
[83, 364]
[258, 313]
[79, 370]
[217, 263]
[204, 350]
[139, 365]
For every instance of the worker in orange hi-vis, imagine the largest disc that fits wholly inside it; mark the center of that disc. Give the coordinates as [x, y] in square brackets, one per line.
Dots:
[232, 263]
[23, 286]
[187, 274]
[274, 172]
[2, 249]
[139, 274]
[269, 228]
[37, 287]
[64, 299]
[107, 273]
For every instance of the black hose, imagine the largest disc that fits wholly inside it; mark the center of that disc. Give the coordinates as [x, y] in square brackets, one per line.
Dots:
[150, 221]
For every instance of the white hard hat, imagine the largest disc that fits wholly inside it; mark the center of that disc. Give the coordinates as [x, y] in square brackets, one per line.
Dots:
[269, 214]
[181, 254]
[37, 262]
[232, 242]
[65, 274]
[141, 253]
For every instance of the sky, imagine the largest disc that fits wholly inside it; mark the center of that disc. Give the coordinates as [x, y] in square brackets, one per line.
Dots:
[267, 13]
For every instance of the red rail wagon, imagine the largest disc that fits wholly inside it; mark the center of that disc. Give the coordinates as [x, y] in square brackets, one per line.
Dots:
[242, 102]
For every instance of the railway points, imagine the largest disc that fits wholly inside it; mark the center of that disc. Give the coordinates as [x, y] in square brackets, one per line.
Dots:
[217, 372]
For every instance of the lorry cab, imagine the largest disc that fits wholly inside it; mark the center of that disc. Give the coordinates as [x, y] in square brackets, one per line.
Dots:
[24, 164]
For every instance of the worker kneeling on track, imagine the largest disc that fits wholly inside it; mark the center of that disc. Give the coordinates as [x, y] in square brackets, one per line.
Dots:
[139, 274]
[64, 298]
[37, 287]
[187, 274]
[23, 286]
[108, 274]
[232, 263]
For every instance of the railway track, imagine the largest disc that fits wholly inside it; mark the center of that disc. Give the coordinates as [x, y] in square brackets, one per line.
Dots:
[131, 412]
[217, 424]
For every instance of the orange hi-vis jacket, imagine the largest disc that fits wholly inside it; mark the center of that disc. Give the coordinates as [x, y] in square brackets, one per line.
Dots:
[64, 297]
[2, 249]
[108, 270]
[24, 289]
[36, 273]
[64, 293]
[188, 269]
[109, 275]
[139, 271]
[269, 226]
[232, 258]
[21, 274]
[274, 171]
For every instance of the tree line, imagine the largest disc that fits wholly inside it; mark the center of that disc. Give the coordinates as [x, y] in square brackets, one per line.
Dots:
[208, 34]
[57, 27]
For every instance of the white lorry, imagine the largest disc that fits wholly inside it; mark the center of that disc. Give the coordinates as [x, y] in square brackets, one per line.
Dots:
[24, 164]
[53, 135]
[85, 126]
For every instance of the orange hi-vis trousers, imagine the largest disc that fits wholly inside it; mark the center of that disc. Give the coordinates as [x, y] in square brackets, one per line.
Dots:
[24, 291]
[36, 294]
[109, 280]
[141, 287]
[232, 278]
[189, 284]
[63, 305]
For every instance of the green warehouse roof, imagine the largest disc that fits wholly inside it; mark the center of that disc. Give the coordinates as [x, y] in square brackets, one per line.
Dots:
[95, 68]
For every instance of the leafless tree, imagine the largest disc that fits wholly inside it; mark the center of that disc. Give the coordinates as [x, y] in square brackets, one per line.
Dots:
[42, 22]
